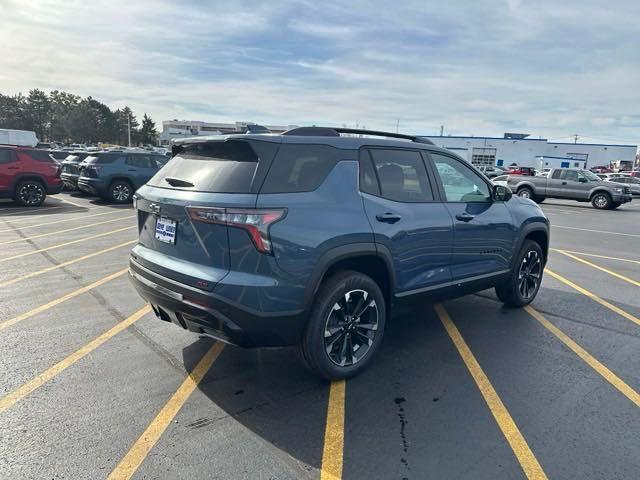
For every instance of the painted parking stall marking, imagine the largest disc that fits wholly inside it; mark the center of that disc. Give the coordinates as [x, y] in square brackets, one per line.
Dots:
[141, 448]
[518, 444]
[15, 396]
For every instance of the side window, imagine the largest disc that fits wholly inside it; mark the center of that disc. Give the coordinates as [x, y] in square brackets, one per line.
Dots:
[41, 156]
[402, 175]
[557, 174]
[571, 175]
[299, 168]
[6, 156]
[368, 180]
[460, 183]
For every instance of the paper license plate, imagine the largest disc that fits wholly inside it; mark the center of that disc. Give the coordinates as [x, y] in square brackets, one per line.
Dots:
[166, 230]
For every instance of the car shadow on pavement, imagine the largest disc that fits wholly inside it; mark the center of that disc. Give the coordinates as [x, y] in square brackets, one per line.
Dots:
[270, 393]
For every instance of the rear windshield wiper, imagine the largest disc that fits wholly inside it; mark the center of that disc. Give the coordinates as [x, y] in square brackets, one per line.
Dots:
[176, 182]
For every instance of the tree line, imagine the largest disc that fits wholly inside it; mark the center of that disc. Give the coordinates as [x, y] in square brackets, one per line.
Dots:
[68, 118]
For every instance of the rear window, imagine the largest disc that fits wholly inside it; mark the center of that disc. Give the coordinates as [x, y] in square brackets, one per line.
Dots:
[299, 168]
[101, 159]
[220, 167]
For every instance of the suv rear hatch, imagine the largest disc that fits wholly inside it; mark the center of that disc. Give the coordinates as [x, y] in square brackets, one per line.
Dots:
[185, 209]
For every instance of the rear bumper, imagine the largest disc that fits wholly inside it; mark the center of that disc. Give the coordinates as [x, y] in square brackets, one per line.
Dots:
[70, 179]
[213, 315]
[92, 186]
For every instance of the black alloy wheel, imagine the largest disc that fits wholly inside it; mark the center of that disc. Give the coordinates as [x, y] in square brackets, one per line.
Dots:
[30, 194]
[351, 328]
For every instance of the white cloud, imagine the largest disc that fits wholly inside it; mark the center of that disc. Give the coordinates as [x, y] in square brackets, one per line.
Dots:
[482, 68]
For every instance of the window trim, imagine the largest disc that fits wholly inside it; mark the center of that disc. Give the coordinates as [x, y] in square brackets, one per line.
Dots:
[443, 193]
[434, 191]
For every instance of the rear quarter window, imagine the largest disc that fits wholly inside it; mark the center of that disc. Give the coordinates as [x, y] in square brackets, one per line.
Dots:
[299, 168]
[41, 156]
[217, 167]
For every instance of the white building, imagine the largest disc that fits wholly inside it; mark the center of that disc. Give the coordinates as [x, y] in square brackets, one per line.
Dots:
[172, 129]
[532, 152]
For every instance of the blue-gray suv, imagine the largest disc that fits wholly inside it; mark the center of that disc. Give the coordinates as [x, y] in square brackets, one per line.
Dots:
[116, 175]
[312, 237]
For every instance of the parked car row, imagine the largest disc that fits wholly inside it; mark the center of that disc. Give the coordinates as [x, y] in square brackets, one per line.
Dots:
[28, 175]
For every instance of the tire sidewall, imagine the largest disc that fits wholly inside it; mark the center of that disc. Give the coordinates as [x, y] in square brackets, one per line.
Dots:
[606, 196]
[24, 183]
[313, 342]
[525, 189]
[112, 197]
[527, 247]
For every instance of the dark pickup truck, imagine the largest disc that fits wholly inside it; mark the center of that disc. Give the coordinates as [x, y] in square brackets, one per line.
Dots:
[572, 184]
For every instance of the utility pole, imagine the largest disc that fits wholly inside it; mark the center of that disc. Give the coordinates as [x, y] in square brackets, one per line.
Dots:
[441, 130]
[575, 138]
[129, 128]
[397, 125]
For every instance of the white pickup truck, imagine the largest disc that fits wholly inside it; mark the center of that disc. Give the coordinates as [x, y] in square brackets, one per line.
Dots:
[572, 184]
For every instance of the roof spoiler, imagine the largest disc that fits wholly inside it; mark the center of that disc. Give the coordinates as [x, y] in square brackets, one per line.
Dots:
[335, 132]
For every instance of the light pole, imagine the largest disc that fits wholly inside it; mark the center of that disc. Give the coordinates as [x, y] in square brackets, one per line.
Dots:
[129, 128]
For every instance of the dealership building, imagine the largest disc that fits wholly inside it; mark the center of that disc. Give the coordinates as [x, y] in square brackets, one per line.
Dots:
[174, 129]
[534, 152]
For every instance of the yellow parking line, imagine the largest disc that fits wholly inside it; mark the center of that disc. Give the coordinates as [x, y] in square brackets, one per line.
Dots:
[78, 240]
[607, 374]
[20, 227]
[141, 448]
[57, 301]
[518, 444]
[32, 210]
[67, 230]
[594, 297]
[18, 394]
[596, 231]
[64, 264]
[333, 448]
[584, 254]
[598, 267]
[73, 203]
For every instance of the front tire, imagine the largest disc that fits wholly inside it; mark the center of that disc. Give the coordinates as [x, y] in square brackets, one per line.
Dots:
[346, 326]
[30, 193]
[523, 282]
[120, 191]
[601, 201]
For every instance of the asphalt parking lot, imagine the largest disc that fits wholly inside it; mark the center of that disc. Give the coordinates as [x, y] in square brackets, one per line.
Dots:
[93, 386]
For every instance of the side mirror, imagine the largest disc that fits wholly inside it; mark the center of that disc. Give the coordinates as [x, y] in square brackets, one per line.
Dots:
[582, 180]
[501, 193]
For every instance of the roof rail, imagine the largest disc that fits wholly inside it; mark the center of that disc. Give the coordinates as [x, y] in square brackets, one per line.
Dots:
[335, 132]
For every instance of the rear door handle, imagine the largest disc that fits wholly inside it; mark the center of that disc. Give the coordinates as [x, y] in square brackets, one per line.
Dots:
[564, 183]
[132, 170]
[465, 217]
[388, 217]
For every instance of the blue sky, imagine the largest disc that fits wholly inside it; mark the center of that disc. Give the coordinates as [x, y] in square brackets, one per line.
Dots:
[551, 69]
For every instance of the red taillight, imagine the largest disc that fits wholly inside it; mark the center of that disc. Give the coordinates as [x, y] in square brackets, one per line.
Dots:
[256, 221]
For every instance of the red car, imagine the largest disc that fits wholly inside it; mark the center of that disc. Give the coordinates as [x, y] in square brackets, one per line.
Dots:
[28, 175]
[520, 171]
[601, 169]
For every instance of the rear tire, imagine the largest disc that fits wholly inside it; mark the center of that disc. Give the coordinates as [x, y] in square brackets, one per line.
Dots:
[120, 191]
[525, 192]
[346, 326]
[30, 193]
[522, 284]
[601, 201]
